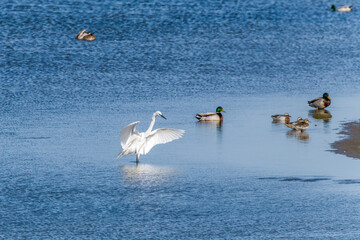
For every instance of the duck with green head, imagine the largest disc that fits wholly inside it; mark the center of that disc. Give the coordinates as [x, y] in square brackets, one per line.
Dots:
[320, 102]
[348, 8]
[211, 116]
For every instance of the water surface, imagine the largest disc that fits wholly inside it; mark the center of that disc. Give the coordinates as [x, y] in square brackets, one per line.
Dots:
[63, 103]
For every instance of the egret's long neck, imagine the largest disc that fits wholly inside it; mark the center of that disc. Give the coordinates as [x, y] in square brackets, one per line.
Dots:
[151, 124]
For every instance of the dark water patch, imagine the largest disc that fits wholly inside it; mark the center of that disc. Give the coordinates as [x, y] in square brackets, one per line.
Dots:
[296, 179]
[316, 179]
[269, 178]
[7, 133]
[291, 179]
[349, 145]
[348, 181]
[35, 138]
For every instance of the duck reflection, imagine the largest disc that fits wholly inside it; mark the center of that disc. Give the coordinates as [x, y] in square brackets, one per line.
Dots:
[210, 124]
[277, 122]
[300, 135]
[146, 174]
[320, 114]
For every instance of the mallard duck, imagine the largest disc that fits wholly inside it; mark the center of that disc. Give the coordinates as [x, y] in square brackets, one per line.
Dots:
[211, 116]
[284, 118]
[300, 125]
[341, 9]
[83, 35]
[320, 102]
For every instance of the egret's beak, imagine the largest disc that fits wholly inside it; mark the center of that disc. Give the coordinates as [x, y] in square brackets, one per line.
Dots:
[223, 110]
[162, 116]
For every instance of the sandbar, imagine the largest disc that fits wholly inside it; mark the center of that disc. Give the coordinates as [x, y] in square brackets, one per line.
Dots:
[350, 144]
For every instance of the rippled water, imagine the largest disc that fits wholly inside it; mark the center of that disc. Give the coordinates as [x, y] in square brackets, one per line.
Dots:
[63, 103]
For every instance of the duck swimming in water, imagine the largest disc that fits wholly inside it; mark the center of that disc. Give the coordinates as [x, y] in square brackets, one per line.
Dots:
[283, 118]
[300, 126]
[83, 35]
[320, 102]
[292, 124]
[348, 8]
[211, 116]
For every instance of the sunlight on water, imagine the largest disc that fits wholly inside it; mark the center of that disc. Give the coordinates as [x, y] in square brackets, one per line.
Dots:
[146, 174]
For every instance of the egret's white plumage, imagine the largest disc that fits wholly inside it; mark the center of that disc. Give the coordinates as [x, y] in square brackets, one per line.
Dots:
[134, 142]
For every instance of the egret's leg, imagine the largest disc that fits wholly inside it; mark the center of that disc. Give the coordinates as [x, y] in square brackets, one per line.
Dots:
[137, 158]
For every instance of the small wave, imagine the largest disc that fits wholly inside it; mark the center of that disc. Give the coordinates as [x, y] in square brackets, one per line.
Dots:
[297, 179]
[269, 178]
[35, 138]
[348, 181]
[8, 133]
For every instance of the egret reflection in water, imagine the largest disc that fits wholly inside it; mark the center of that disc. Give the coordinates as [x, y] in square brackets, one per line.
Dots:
[146, 173]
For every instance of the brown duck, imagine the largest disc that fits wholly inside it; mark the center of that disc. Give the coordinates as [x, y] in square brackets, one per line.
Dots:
[83, 35]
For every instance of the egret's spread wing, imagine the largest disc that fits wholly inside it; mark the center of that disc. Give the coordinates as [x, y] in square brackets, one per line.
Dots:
[161, 136]
[127, 132]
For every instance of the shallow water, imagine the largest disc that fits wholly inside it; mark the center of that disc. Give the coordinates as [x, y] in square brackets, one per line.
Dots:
[64, 102]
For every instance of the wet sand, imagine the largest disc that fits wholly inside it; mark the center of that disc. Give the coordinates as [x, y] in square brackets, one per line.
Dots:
[350, 145]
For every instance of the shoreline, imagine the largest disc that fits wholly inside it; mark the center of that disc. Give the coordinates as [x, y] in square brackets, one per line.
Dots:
[350, 145]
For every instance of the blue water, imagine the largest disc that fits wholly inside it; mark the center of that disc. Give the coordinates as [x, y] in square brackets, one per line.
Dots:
[63, 103]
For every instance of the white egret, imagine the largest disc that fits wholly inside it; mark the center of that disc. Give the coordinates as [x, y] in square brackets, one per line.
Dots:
[140, 143]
